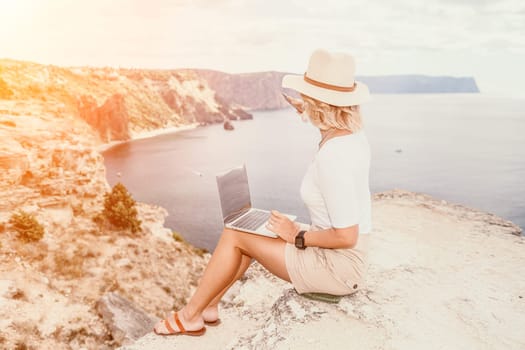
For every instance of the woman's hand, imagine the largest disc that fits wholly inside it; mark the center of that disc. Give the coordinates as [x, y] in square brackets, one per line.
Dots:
[282, 226]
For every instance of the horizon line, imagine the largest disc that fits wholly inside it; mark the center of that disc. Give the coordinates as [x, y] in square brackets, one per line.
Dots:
[217, 70]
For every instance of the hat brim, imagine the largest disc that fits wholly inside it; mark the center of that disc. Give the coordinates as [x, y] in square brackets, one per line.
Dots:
[360, 94]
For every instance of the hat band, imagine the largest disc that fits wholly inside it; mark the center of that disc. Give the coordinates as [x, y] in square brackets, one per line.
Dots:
[329, 86]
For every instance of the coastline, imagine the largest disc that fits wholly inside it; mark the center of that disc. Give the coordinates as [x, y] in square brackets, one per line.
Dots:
[146, 134]
[447, 188]
[459, 269]
[455, 266]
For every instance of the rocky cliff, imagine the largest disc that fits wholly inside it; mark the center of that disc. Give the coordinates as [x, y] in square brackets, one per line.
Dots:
[252, 91]
[111, 120]
[49, 289]
[441, 276]
[118, 103]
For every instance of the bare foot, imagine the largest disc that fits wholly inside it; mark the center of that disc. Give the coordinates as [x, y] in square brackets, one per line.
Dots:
[211, 314]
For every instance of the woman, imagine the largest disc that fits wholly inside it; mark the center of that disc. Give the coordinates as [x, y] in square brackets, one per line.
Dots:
[330, 255]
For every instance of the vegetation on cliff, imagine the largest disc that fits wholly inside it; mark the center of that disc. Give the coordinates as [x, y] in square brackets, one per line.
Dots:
[27, 226]
[120, 210]
[49, 288]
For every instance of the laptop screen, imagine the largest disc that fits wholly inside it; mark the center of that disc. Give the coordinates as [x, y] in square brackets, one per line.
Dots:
[234, 191]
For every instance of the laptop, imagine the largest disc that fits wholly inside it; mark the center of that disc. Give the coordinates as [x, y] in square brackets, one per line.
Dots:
[236, 204]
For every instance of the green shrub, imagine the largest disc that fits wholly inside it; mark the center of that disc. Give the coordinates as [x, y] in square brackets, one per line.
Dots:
[120, 209]
[200, 251]
[27, 226]
[178, 237]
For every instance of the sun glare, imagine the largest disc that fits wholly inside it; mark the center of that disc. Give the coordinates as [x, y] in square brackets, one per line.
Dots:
[8, 8]
[11, 11]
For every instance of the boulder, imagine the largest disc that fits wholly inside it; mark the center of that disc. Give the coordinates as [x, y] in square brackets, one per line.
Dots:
[126, 321]
[228, 125]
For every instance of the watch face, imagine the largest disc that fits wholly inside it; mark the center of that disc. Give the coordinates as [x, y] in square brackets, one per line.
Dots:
[299, 242]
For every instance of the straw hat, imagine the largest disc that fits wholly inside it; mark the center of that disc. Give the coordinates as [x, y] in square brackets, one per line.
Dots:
[330, 78]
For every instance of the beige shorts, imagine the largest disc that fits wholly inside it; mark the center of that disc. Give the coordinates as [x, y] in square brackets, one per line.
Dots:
[332, 271]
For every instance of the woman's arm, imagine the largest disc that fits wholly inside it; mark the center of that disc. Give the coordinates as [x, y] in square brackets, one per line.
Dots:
[333, 238]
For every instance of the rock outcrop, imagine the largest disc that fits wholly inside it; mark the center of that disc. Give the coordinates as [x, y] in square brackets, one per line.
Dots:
[253, 91]
[126, 321]
[441, 276]
[110, 120]
[49, 289]
[228, 125]
[119, 104]
[49, 164]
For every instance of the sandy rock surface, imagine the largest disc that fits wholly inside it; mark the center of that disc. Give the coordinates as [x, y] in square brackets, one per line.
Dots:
[49, 289]
[441, 276]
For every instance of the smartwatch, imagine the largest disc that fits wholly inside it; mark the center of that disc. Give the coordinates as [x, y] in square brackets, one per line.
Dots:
[299, 240]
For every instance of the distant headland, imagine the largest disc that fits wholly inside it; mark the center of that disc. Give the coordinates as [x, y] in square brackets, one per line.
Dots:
[262, 90]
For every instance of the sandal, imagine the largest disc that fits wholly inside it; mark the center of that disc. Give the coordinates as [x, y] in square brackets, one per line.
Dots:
[181, 330]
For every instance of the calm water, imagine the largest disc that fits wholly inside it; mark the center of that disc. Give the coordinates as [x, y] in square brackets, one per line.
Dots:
[468, 149]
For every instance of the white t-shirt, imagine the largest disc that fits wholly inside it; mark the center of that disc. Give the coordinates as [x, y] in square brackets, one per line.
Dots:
[335, 188]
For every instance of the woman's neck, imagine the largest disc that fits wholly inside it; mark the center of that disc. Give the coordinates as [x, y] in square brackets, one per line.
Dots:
[331, 133]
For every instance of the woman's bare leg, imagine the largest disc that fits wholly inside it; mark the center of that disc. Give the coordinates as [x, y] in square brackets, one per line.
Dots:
[211, 313]
[226, 261]
[225, 264]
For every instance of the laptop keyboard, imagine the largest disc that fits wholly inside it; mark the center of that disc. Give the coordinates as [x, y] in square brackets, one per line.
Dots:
[252, 220]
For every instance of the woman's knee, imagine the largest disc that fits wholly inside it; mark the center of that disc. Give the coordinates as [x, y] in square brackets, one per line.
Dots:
[229, 234]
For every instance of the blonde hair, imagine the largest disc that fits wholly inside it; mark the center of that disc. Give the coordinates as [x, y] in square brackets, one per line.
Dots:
[326, 116]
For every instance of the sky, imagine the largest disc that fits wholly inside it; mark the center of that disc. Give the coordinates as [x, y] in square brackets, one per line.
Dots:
[480, 38]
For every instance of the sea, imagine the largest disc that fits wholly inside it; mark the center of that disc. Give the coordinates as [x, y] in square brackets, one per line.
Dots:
[463, 148]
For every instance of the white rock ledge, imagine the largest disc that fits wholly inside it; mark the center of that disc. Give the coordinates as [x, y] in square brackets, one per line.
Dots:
[441, 276]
